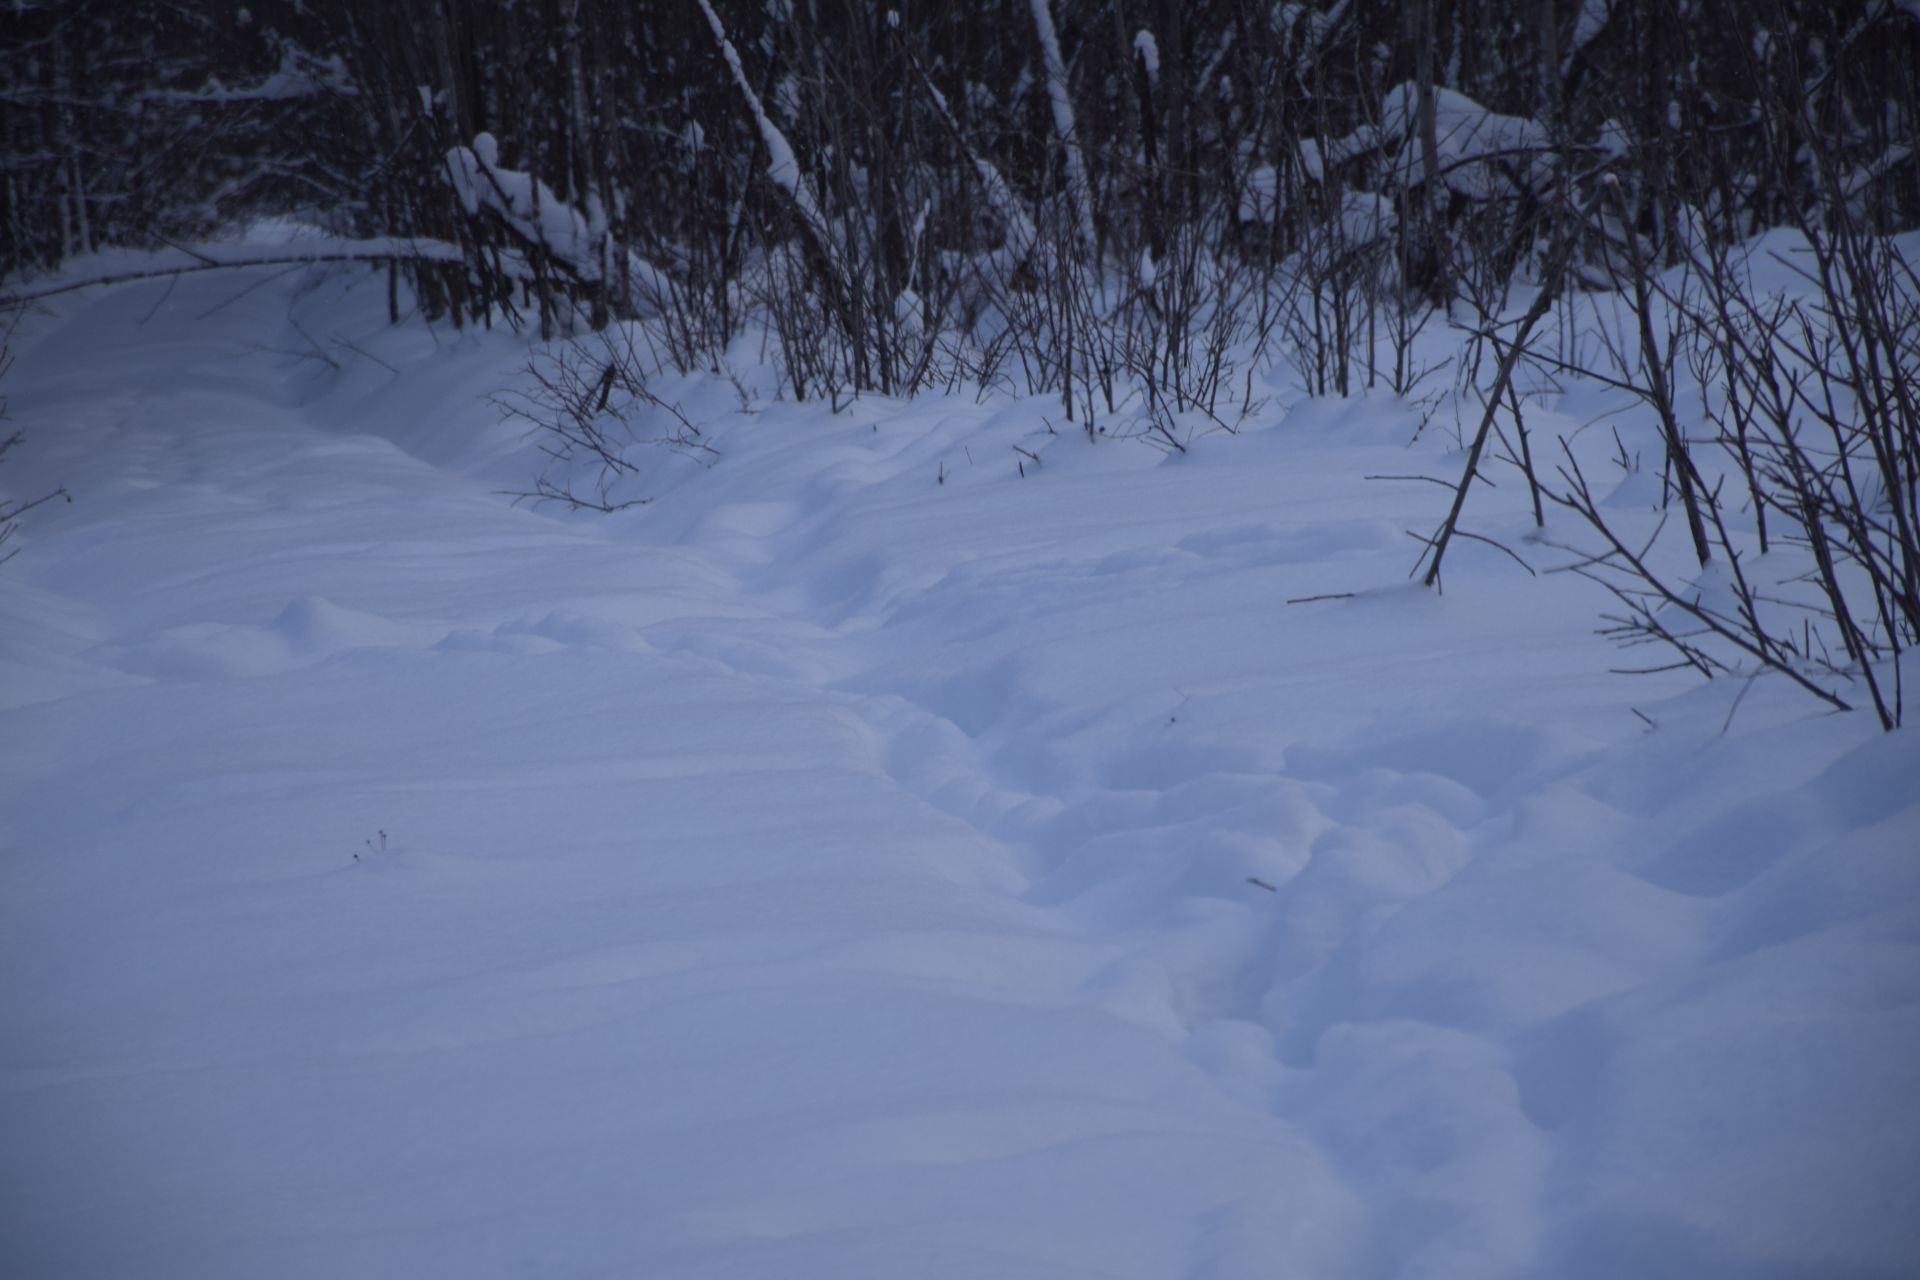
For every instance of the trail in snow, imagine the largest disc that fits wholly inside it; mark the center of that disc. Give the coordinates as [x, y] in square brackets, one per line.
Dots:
[865, 860]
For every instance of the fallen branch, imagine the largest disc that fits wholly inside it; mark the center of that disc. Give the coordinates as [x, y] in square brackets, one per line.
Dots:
[180, 261]
[1552, 277]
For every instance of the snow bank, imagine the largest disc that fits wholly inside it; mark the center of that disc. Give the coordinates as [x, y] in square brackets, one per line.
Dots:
[1481, 154]
[878, 857]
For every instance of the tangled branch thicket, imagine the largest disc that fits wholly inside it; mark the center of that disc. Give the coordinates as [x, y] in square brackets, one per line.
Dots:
[1804, 526]
[1124, 206]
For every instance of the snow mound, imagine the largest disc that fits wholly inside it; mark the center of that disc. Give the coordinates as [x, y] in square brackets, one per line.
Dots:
[879, 857]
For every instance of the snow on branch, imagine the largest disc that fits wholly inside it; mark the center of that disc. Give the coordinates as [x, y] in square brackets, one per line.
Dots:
[1079, 191]
[782, 166]
[1147, 50]
[299, 75]
[1473, 144]
[1021, 235]
[1592, 20]
[528, 207]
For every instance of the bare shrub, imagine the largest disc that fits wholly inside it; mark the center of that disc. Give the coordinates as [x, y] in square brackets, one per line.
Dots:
[591, 407]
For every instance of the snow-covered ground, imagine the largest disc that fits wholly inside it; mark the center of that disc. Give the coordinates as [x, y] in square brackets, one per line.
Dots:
[870, 861]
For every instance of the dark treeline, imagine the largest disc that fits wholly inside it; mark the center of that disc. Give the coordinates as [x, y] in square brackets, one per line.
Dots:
[595, 158]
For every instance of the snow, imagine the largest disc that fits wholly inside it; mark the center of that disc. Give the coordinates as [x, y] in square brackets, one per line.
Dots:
[525, 203]
[1147, 49]
[1019, 228]
[299, 75]
[1060, 101]
[867, 859]
[1466, 133]
[285, 245]
[782, 166]
[1591, 20]
[1481, 154]
[1260, 201]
